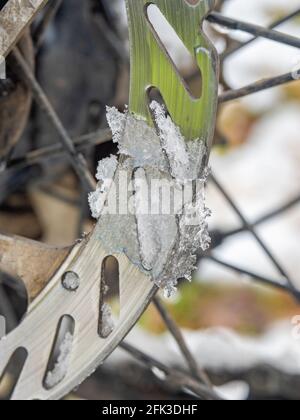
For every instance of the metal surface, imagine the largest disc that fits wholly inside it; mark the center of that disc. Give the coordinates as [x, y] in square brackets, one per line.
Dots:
[152, 67]
[37, 331]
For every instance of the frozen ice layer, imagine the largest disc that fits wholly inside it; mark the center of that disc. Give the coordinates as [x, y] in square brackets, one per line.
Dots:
[172, 142]
[105, 175]
[162, 243]
[147, 235]
[136, 139]
[107, 168]
[116, 120]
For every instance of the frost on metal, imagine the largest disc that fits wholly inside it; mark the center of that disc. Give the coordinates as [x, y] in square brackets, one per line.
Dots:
[116, 120]
[60, 369]
[172, 142]
[136, 139]
[107, 320]
[148, 239]
[162, 244]
[105, 174]
[193, 237]
[107, 168]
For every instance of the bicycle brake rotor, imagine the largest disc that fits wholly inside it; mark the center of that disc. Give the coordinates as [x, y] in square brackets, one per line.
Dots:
[60, 333]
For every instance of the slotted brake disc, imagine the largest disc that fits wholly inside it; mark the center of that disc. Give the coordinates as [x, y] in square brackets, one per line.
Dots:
[60, 337]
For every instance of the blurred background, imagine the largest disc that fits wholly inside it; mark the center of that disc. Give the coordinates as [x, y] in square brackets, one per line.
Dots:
[241, 331]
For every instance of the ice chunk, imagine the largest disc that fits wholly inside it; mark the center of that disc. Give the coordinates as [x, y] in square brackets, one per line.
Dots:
[105, 174]
[116, 120]
[107, 168]
[97, 199]
[198, 157]
[61, 366]
[147, 235]
[173, 143]
[118, 232]
[136, 139]
[187, 159]
[164, 244]
[193, 236]
[96, 203]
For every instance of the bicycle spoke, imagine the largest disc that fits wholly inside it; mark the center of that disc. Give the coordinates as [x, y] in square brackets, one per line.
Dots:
[271, 215]
[177, 335]
[53, 151]
[250, 228]
[258, 87]
[256, 30]
[177, 379]
[274, 25]
[263, 280]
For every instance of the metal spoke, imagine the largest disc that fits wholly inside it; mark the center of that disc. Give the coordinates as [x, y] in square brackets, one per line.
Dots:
[266, 217]
[256, 30]
[53, 151]
[274, 25]
[259, 86]
[177, 379]
[177, 335]
[263, 280]
[250, 228]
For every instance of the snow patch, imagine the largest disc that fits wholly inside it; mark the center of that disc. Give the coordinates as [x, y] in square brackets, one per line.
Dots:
[107, 168]
[107, 321]
[60, 369]
[220, 349]
[234, 391]
[116, 120]
[173, 143]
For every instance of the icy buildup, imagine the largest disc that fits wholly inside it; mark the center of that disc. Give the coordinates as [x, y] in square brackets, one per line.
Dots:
[107, 321]
[164, 244]
[107, 168]
[173, 143]
[144, 148]
[185, 158]
[116, 120]
[96, 202]
[193, 237]
[105, 174]
[147, 234]
[60, 369]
